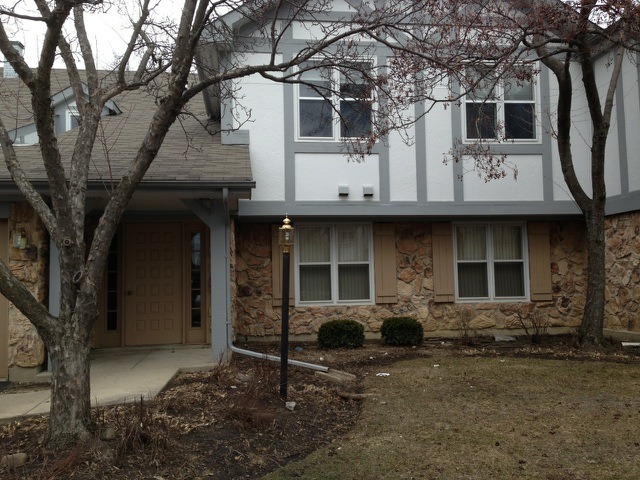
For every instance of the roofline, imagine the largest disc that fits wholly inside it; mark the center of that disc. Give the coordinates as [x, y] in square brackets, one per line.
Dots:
[240, 188]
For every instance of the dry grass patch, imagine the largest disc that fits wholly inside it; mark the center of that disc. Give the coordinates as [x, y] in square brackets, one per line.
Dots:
[457, 417]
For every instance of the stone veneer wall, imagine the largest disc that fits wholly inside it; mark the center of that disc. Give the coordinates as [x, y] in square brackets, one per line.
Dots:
[26, 348]
[622, 310]
[256, 316]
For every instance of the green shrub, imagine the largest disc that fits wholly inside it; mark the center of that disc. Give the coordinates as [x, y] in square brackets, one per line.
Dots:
[341, 334]
[401, 331]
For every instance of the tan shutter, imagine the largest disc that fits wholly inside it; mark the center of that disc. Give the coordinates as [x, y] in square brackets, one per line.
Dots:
[276, 271]
[443, 282]
[539, 261]
[384, 249]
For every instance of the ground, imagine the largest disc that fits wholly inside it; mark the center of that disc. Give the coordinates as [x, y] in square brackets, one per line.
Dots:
[230, 423]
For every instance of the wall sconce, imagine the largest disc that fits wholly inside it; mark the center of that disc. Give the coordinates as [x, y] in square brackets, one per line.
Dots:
[19, 238]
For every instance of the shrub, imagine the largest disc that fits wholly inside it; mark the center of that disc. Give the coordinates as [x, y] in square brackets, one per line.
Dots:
[341, 334]
[401, 331]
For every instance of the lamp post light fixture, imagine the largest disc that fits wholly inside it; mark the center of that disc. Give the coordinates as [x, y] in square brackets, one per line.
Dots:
[285, 239]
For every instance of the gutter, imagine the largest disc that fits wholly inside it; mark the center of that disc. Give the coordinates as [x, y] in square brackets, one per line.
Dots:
[230, 345]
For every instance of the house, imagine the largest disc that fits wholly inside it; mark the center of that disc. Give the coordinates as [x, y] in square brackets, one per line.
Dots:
[404, 233]
[181, 206]
[400, 233]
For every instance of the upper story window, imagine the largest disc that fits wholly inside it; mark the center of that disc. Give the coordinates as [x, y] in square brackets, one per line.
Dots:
[498, 109]
[333, 102]
[335, 264]
[490, 262]
[73, 117]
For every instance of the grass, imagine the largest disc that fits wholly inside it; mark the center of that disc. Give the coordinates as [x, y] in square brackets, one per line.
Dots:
[456, 417]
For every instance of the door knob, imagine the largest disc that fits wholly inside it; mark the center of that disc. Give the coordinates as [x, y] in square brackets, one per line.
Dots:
[129, 292]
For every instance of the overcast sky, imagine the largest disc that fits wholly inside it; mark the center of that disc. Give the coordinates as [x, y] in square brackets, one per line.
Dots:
[107, 30]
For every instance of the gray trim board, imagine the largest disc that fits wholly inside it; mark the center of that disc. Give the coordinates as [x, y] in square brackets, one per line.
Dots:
[622, 137]
[399, 209]
[421, 126]
[547, 139]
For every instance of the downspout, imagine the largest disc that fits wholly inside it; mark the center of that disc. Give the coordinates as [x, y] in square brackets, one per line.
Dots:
[227, 283]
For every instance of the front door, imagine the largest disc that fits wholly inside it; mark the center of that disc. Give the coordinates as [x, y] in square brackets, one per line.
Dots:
[153, 283]
[4, 306]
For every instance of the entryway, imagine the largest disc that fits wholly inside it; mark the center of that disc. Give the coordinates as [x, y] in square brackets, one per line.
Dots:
[156, 286]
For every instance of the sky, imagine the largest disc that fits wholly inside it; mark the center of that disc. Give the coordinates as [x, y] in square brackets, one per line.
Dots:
[107, 29]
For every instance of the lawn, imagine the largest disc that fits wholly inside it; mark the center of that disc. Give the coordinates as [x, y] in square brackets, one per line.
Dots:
[474, 417]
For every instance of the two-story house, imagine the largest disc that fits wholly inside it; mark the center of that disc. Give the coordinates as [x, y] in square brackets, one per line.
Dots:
[404, 231]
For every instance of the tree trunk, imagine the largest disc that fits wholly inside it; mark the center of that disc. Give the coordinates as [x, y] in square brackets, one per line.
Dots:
[591, 330]
[70, 416]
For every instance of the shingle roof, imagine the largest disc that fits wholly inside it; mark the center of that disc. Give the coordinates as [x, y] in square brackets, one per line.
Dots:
[192, 153]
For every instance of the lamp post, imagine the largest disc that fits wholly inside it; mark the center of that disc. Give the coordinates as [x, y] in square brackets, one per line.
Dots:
[285, 239]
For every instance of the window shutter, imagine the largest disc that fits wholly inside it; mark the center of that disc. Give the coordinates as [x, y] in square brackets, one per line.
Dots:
[276, 270]
[539, 261]
[384, 249]
[442, 245]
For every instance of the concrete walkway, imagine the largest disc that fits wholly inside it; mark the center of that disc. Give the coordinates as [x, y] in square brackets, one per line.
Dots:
[117, 376]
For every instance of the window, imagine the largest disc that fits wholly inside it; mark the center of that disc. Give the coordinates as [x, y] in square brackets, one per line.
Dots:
[73, 118]
[490, 262]
[500, 107]
[334, 264]
[334, 103]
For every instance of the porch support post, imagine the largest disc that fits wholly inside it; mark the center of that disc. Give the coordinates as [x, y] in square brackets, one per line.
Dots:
[220, 249]
[54, 284]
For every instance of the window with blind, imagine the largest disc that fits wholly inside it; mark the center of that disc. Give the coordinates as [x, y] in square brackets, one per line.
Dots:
[334, 264]
[490, 262]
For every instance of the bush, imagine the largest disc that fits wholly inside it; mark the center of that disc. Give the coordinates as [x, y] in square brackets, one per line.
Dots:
[401, 331]
[341, 334]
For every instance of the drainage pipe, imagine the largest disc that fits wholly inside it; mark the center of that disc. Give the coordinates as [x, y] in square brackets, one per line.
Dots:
[230, 345]
[273, 358]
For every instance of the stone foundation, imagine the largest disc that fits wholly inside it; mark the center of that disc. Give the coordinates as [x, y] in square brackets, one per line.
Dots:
[257, 317]
[29, 265]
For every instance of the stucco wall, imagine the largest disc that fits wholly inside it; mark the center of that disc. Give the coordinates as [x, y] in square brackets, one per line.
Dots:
[256, 316]
[30, 265]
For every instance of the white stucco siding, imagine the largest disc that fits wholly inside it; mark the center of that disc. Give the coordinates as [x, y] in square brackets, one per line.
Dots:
[402, 167]
[632, 120]
[439, 139]
[527, 187]
[316, 31]
[604, 68]
[580, 137]
[258, 108]
[319, 175]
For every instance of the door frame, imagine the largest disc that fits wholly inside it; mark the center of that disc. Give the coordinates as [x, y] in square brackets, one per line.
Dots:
[190, 336]
[4, 304]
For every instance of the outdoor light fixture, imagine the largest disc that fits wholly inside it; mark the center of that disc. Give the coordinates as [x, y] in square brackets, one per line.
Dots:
[19, 238]
[285, 239]
[286, 235]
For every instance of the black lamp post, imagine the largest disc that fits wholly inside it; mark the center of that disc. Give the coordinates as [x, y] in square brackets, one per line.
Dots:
[285, 239]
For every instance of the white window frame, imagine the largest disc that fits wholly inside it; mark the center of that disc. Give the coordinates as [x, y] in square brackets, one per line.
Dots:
[500, 102]
[335, 100]
[72, 112]
[333, 255]
[490, 263]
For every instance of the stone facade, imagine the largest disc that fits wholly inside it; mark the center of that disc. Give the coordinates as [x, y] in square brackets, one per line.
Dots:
[255, 315]
[622, 310]
[29, 265]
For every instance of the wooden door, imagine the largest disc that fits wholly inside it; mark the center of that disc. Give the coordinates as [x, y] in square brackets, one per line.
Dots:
[4, 307]
[153, 300]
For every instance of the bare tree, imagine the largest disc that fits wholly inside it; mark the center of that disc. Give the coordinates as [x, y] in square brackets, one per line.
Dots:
[428, 43]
